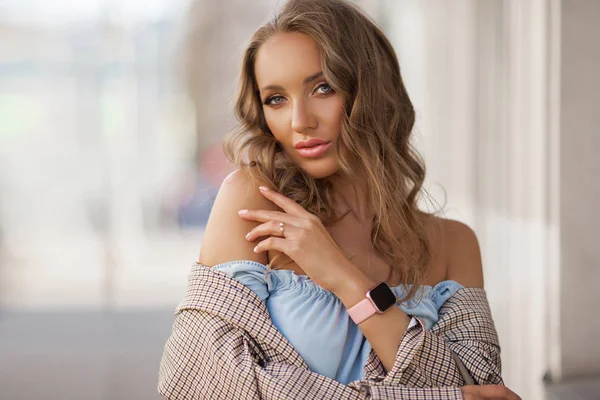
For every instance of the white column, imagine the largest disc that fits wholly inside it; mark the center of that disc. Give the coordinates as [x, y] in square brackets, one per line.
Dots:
[517, 190]
[478, 74]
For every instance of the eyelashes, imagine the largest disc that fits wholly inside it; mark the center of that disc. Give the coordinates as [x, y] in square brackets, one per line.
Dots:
[277, 99]
[270, 100]
[326, 85]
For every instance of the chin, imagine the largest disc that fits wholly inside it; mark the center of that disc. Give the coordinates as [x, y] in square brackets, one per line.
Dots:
[320, 168]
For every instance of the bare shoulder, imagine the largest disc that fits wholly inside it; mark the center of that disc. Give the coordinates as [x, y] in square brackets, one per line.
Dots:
[224, 235]
[462, 253]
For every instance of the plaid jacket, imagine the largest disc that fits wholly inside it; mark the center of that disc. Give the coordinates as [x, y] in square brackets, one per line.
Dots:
[225, 346]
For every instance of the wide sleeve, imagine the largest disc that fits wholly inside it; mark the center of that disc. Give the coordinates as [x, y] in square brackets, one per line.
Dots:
[206, 358]
[424, 358]
[250, 273]
[223, 345]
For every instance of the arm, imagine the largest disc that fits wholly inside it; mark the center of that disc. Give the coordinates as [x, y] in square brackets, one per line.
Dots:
[223, 238]
[417, 355]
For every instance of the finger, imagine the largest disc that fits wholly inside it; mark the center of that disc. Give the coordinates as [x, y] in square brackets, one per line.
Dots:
[269, 228]
[285, 203]
[470, 392]
[512, 395]
[268, 215]
[273, 243]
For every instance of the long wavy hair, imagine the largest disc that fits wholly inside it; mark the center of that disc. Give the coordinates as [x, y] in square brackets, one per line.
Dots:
[360, 64]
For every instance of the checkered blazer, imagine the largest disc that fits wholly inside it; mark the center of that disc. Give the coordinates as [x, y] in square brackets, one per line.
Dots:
[225, 346]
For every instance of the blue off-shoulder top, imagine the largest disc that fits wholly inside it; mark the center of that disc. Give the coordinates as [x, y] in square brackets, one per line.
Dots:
[316, 322]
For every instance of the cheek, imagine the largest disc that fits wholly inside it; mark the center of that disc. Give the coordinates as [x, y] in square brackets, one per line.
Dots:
[330, 114]
[279, 123]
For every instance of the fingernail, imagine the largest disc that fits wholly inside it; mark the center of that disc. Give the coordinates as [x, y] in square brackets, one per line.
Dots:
[263, 188]
[248, 235]
[255, 249]
[242, 212]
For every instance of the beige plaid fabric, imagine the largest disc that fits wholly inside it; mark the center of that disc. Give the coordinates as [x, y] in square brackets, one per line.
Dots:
[225, 346]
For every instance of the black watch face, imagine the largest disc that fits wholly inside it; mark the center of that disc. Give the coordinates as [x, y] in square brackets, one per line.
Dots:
[383, 297]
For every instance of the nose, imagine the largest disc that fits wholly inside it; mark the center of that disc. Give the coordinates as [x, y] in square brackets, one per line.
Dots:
[303, 118]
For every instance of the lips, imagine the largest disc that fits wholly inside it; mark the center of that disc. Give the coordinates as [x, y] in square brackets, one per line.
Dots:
[310, 143]
[314, 151]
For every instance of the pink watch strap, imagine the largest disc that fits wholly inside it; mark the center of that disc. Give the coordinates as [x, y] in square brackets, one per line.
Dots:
[361, 311]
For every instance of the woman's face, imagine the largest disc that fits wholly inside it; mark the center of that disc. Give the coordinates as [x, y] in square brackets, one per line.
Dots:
[298, 103]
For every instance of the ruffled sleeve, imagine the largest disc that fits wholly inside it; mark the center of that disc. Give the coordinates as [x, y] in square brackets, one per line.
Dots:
[250, 273]
[443, 291]
[426, 304]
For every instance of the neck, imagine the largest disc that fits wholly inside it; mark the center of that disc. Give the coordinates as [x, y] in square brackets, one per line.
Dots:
[350, 193]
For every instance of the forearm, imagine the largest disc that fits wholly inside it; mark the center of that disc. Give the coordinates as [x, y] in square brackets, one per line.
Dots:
[384, 331]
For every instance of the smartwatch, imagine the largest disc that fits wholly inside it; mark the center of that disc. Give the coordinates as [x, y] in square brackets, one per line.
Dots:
[377, 300]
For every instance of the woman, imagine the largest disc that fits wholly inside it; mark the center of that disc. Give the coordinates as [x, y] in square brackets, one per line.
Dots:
[318, 275]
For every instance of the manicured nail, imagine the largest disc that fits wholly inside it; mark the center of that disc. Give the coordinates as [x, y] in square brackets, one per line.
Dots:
[242, 212]
[263, 188]
[255, 249]
[248, 235]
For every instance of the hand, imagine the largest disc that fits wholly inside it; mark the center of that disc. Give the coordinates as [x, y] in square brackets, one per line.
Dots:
[305, 240]
[488, 392]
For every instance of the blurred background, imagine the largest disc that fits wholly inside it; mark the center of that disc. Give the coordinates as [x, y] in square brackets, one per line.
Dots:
[112, 115]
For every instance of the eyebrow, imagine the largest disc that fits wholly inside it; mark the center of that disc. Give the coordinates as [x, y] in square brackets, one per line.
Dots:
[306, 80]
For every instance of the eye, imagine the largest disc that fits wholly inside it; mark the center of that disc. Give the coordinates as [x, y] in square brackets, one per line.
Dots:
[324, 88]
[274, 100]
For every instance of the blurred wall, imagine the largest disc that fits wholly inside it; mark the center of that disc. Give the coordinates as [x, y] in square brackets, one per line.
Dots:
[580, 188]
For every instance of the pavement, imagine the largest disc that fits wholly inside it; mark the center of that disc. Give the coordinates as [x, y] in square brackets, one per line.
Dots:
[82, 355]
